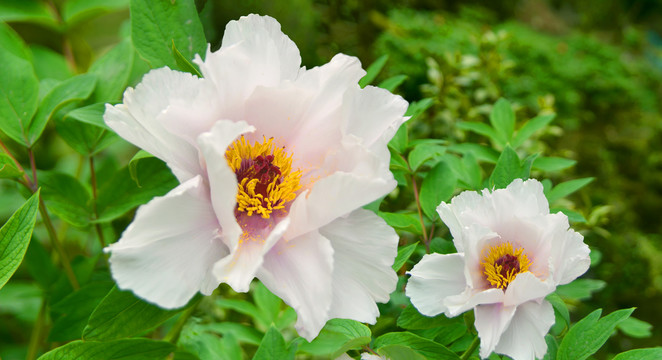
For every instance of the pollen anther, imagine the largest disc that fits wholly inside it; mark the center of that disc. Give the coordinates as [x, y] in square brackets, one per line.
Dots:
[503, 263]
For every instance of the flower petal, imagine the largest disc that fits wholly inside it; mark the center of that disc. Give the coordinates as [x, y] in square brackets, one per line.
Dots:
[491, 321]
[526, 287]
[364, 248]
[166, 255]
[471, 298]
[138, 120]
[524, 339]
[569, 257]
[433, 279]
[299, 271]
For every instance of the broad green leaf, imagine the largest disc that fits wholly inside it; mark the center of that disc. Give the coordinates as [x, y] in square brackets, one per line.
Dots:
[8, 169]
[204, 344]
[243, 333]
[272, 346]
[32, 11]
[423, 346]
[502, 119]
[481, 152]
[404, 222]
[580, 289]
[267, 303]
[120, 193]
[49, 64]
[559, 307]
[125, 349]
[640, 354]
[635, 328]
[392, 83]
[133, 164]
[243, 307]
[422, 153]
[472, 172]
[66, 197]
[337, 336]
[40, 265]
[552, 347]
[86, 139]
[479, 128]
[90, 114]
[77, 11]
[183, 63]
[21, 300]
[587, 336]
[442, 246]
[399, 352]
[11, 42]
[373, 70]
[566, 188]
[121, 314]
[506, 170]
[398, 163]
[411, 319]
[416, 108]
[155, 25]
[19, 91]
[403, 255]
[525, 167]
[113, 70]
[74, 89]
[438, 186]
[573, 216]
[553, 163]
[447, 335]
[72, 312]
[15, 237]
[530, 128]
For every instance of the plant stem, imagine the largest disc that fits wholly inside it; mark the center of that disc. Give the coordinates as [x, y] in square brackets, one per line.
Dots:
[471, 349]
[33, 165]
[56, 244]
[173, 334]
[35, 336]
[420, 214]
[93, 181]
[26, 179]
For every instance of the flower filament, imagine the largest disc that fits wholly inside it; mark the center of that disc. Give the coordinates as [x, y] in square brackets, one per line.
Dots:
[502, 264]
[266, 182]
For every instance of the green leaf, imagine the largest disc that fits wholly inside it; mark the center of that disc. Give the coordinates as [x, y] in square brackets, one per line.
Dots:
[73, 311]
[416, 108]
[19, 91]
[580, 289]
[479, 128]
[373, 70]
[243, 307]
[506, 170]
[573, 216]
[267, 303]
[272, 346]
[403, 222]
[338, 336]
[155, 25]
[559, 307]
[86, 139]
[66, 197]
[49, 64]
[90, 114]
[40, 266]
[553, 163]
[640, 354]
[530, 128]
[392, 83]
[525, 167]
[32, 11]
[120, 193]
[113, 70]
[183, 63]
[636, 328]
[21, 300]
[243, 333]
[438, 186]
[77, 11]
[424, 152]
[471, 173]
[8, 169]
[411, 319]
[15, 237]
[121, 314]
[400, 140]
[423, 346]
[566, 188]
[552, 347]
[126, 349]
[77, 88]
[133, 164]
[11, 42]
[204, 344]
[587, 336]
[403, 255]
[502, 119]
[481, 152]
[399, 352]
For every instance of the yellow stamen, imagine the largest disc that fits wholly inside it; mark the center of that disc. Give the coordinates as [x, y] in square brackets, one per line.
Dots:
[502, 264]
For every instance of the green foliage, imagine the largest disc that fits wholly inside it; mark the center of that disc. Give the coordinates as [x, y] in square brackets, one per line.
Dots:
[15, 236]
[126, 349]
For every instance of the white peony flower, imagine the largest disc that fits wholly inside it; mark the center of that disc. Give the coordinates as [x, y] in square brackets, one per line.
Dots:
[275, 162]
[511, 254]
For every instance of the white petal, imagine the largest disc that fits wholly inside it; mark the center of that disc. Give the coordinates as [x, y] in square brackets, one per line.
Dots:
[450, 214]
[433, 279]
[569, 257]
[491, 321]
[166, 255]
[138, 119]
[222, 181]
[299, 271]
[364, 249]
[526, 287]
[471, 298]
[240, 267]
[524, 339]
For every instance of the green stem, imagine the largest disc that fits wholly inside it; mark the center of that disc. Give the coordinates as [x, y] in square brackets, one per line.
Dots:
[56, 244]
[471, 349]
[173, 334]
[93, 181]
[420, 213]
[26, 179]
[36, 335]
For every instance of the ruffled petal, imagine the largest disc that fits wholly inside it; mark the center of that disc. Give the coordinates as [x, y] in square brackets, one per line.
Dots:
[167, 253]
[491, 322]
[139, 119]
[526, 287]
[299, 271]
[433, 279]
[569, 257]
[470, 298]
[364, 249]
[524, 339]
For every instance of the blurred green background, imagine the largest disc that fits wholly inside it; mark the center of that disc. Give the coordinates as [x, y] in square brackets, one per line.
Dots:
[598, 65]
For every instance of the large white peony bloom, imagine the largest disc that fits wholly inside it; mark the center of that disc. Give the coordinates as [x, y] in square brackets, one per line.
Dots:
[275, 162]
[511, 254]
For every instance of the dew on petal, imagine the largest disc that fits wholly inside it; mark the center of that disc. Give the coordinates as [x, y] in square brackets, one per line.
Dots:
[502, 263]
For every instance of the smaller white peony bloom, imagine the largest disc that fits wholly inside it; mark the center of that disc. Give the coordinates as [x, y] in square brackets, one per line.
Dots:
[512, 253]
